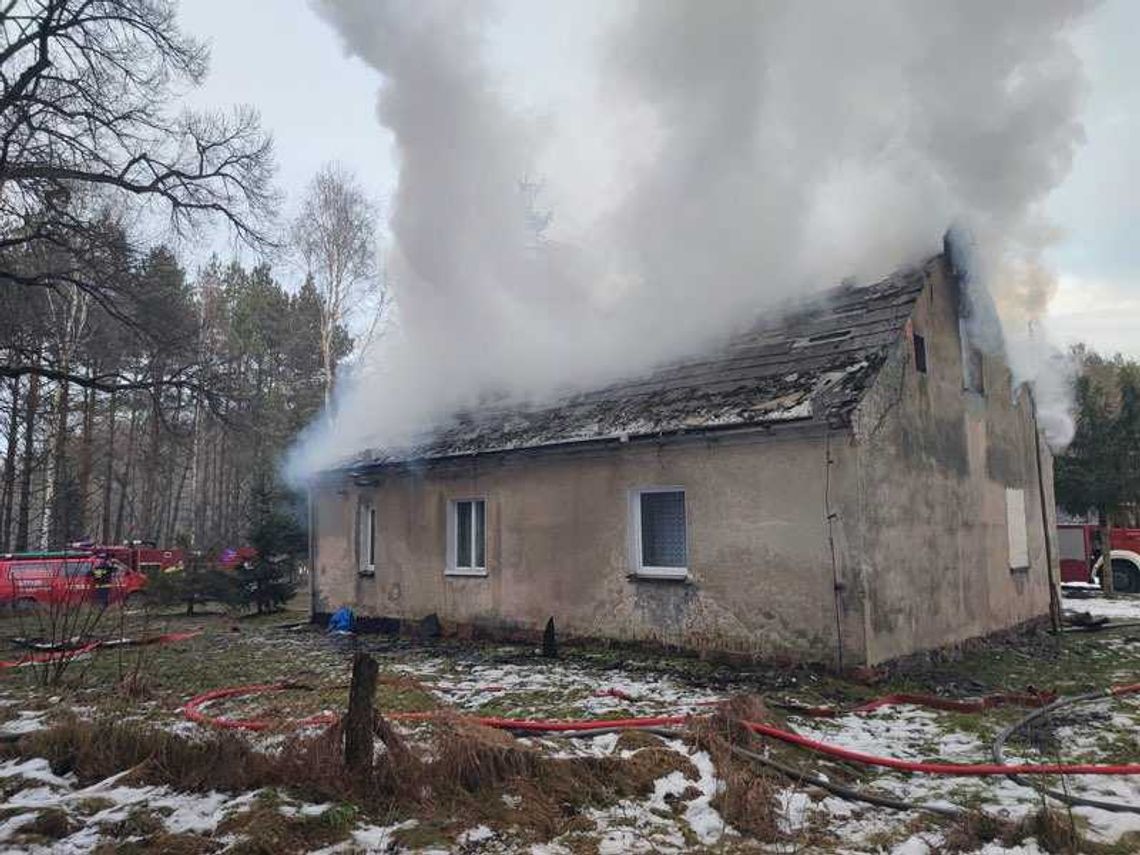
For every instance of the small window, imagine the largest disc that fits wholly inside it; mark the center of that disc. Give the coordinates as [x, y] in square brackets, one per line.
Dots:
[660, 542]
[919, 354]
[30, 569]
[367, 539]
[1015, 526]
[467, 538]
[77, 568]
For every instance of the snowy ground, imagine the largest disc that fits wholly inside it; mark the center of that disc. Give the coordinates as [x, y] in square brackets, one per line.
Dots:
[1122, 607]
[680, 814]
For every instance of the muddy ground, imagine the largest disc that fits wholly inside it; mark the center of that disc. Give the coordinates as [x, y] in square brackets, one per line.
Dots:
[106, 762]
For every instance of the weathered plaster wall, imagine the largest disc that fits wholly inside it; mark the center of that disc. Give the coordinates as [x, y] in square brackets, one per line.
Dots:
[558, 544]
[934, 464]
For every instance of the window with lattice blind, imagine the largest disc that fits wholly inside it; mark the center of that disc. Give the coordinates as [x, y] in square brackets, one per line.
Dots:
[660, 541]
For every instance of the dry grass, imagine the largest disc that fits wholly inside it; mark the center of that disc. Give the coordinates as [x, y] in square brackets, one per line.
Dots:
[96, 750]
[264, 830]
[1054, 830]
[162, 843]
[749, 800]
[470, 767]
[52, 823]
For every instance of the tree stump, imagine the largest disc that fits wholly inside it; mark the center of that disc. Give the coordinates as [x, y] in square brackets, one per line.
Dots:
[358, 746]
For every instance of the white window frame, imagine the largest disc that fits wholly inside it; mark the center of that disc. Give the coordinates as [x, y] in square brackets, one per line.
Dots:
[639, 568]
[1017, 528]
[453, 568]
[366, 539]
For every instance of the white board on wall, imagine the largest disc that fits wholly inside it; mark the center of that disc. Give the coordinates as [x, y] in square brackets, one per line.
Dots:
[1015, 526]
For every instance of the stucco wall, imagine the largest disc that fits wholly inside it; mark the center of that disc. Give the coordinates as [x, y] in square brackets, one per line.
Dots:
[558, 544]
[930, 512]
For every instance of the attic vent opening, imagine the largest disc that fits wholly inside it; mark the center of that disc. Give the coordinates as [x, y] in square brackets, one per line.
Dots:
[919, 353]
[824, 338]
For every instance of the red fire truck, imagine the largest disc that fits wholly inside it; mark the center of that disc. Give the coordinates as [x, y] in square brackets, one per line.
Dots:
[62, 578]
[1081, 556]
[52, 578]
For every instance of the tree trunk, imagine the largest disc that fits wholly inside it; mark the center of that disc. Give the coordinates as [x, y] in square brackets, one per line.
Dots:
[85, 464]
[358, 723]
[125, 483]
[53, 528]
[7, 502]
[31, 405]
[109, 471]
[176, 507]
[328, 325]
[195, 478]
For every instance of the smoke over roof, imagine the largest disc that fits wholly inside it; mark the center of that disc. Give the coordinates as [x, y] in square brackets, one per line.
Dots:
[755, 152]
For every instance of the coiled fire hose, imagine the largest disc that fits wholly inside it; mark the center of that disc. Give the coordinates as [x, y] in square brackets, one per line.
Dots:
[1043, 712]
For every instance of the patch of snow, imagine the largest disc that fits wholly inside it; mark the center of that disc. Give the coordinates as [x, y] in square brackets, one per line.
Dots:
[377, 838]
[304, 809]
[29, 722]
[36, 769]
[1121, 607]
[478, 834]
[14, 823]
[550, 849]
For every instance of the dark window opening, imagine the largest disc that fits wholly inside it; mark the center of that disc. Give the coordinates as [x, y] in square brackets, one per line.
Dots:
[663, 529]
[919, 353]
[372, 537]
[974, 378]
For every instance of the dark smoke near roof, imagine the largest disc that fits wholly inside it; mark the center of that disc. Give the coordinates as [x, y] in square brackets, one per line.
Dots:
[766, 150]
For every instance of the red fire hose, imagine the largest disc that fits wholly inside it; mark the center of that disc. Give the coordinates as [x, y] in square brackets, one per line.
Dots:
[192, 710]
[71, 653]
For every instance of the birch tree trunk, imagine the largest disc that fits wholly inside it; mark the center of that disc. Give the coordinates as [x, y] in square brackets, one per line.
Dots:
[7, 502]
[109, 468]
[31, 405]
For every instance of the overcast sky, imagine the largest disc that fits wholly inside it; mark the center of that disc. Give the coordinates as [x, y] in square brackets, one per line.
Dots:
[278, 56]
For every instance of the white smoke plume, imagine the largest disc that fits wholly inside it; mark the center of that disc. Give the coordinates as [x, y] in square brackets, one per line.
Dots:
[753, 151]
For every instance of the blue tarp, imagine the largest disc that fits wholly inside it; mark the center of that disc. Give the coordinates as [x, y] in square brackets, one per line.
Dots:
[341, 620]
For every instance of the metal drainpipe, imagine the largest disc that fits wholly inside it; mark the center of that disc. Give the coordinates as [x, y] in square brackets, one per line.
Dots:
[836, 584]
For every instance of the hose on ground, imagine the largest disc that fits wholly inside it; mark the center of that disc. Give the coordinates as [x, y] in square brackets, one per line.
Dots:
[845, 792]
[1060, 795]
[192, 711]
[789, 772]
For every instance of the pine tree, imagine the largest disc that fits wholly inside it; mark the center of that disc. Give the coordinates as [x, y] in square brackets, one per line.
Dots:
[267, 581]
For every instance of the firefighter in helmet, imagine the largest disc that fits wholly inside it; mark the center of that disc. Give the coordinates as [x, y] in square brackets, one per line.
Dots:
[101, 580]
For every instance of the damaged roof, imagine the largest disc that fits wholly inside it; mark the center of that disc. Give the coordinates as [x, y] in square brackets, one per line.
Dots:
[808, 366]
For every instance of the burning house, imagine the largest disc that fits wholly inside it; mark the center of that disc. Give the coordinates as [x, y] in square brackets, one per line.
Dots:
[850, 483]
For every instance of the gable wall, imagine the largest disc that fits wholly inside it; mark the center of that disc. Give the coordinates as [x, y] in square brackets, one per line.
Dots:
[934, 464]
[558, 545]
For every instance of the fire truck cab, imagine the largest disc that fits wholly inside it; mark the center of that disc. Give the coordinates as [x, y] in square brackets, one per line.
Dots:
[1081, 557]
